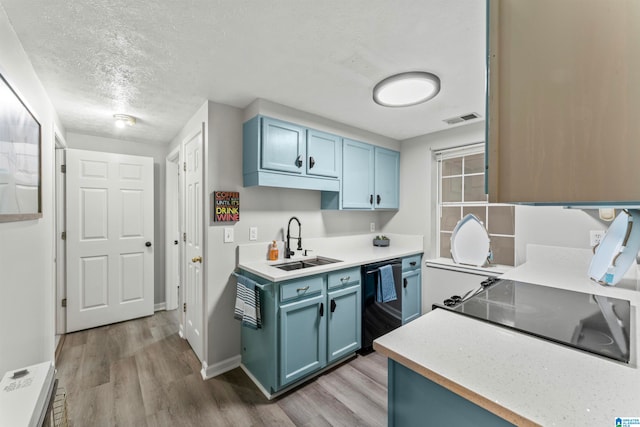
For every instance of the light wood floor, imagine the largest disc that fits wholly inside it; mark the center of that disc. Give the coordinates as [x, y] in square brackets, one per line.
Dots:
[141, 373]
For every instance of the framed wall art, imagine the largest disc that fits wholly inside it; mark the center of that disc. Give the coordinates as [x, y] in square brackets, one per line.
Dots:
[20, 158]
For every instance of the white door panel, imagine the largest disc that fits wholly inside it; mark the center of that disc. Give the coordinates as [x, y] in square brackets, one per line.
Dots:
[109, 222]
[194, 250]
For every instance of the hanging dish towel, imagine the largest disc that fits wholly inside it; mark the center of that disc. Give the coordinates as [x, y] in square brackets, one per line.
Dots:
[386, 285]
[247, 307]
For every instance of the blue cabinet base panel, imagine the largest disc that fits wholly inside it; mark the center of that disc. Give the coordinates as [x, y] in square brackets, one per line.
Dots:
[416, 401]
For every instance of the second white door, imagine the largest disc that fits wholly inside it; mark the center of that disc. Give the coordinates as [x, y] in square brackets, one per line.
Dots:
[109, 238]
[194, 248]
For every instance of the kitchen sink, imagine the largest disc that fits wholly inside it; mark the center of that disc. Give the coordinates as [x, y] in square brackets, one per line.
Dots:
[306, 263]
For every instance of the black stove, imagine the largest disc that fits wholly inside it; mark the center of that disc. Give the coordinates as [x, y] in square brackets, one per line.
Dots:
[587, 322]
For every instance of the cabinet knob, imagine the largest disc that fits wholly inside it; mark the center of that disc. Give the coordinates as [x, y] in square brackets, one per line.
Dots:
[378, 198]
[333, 305]
[345, 279]
[196, 259]
[312, 162]
[405, 283]
[370, 199]
[148, 244]
[321, 309]
[299, 161]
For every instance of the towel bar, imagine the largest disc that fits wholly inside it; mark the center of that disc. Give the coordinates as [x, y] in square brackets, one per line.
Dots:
[261, 287]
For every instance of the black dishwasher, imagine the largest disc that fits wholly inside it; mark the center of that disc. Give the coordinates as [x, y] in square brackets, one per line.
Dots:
[378, 318]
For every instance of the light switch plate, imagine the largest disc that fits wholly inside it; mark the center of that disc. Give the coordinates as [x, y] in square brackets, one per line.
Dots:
[372, 227]
[228, 235]
[253, 233]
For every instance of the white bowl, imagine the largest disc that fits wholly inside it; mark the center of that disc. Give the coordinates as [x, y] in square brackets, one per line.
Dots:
[470, 242]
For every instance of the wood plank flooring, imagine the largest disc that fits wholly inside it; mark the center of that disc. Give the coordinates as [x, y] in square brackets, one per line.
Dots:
[141, 373]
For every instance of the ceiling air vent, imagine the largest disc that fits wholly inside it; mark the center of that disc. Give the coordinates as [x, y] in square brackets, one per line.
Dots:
[462, 118]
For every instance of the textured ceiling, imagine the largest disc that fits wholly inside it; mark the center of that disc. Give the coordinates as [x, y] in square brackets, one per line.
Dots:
[159, 60]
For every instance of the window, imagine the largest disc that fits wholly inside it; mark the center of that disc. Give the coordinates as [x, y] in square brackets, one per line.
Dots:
[461, 192]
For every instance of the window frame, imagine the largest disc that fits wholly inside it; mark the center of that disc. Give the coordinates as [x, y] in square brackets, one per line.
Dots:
[462, 152]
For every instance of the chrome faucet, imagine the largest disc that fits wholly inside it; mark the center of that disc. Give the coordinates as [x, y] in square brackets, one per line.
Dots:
[287, 248]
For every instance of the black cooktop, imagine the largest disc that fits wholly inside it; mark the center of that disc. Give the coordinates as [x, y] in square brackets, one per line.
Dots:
[588, 322]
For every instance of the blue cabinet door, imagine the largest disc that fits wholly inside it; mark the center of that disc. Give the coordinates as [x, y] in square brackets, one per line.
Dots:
[324, 152]
[283, 146]
[343, 335]
[411, 295]
[357, 175]
[302, 338]
[387, 179]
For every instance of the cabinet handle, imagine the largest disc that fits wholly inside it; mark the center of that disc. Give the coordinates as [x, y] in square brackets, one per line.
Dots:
[378, 198]
[405, 282]
[333, 305]
[321, 309]
[306, 288]
[370, 199]
[312, 162]
[299, 161]
[412, 263]
[345, 279]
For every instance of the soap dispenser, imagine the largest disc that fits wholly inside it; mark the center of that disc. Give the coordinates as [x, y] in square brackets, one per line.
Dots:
[273, 251]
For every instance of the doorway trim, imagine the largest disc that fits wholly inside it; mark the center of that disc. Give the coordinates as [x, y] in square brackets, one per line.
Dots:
[173, 207]
[59, 248]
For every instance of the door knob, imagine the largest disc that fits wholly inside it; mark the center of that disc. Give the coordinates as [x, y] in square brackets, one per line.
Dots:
[197, 259]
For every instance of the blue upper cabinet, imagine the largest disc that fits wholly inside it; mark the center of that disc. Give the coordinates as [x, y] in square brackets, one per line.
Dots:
[563, 103]
[387, 182]
[370, 178]
[323, 154]
[276, 153]
[357, 175]
[283, 146]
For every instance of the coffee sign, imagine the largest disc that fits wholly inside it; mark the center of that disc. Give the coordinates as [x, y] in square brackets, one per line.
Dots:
[225, 206]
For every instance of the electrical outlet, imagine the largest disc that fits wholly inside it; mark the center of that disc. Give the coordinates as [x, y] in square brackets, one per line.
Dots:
[595, 237]
[253, 233]
[372, 227]
[228, 235]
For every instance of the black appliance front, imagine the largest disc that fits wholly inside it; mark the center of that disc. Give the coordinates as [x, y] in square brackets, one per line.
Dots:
[379, 318]
[592, 323]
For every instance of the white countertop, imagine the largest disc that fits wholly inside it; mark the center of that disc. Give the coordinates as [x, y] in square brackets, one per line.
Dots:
[350, 250]
[524, 379]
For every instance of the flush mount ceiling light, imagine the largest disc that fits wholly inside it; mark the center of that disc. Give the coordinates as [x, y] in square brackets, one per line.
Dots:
[123, 120]
[405, 89]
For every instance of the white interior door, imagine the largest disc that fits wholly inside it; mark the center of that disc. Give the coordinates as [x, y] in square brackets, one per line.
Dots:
[194, 251]
[109, 238]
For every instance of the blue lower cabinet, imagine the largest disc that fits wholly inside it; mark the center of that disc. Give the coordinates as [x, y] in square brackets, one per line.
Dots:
[307, 323]
[411, 296]
[344, 319]
[411, 288]
[302, 338]
[416, 401]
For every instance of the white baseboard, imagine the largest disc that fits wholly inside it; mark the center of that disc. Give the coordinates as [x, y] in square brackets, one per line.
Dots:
[159, 307]
[220, 367]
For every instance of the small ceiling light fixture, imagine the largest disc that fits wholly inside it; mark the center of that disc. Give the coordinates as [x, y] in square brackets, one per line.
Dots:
[123, 120]
[405, 89]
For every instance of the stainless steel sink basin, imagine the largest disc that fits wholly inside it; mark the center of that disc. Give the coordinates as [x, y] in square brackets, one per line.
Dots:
[306, 263]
